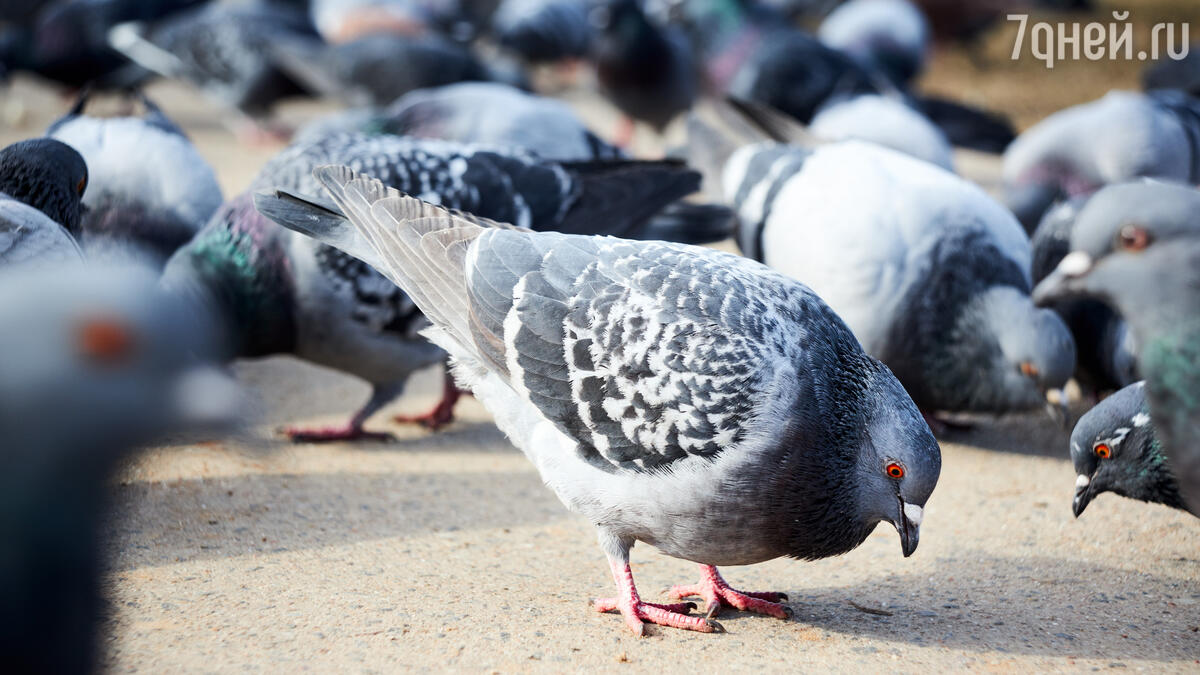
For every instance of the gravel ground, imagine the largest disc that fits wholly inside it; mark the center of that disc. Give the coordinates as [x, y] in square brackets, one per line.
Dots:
[444, 551]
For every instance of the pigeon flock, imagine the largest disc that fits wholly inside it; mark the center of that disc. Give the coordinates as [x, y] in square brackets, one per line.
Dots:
[725, 409]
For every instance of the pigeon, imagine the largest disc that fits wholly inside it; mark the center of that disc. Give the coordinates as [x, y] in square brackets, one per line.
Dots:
[1115, 449]
[150, 189]
[295, 295]
[646, 70]
[543, 31]
[376, 69]
[888, 36]
[97, 363]
[1136, 246]
[1105, 353]
[886, 121]
[684, 397]
[224, 50]
[48, 175]
[931, 274]
[1122, 136]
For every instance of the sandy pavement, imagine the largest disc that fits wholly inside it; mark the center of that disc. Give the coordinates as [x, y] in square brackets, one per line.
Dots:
[444, 551]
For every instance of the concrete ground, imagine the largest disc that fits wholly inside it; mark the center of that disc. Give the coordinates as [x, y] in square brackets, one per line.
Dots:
[443, 551]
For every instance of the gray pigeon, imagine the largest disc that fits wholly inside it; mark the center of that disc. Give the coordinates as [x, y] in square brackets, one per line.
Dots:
[150, 189]
[889, 36]
[886, 121]
[680, 396]
[97, 362]
[42, 182]
[1123, 136]
[296, 295]
[1137, 247]
[930, 273]
[1105, 354]
[1114, 449]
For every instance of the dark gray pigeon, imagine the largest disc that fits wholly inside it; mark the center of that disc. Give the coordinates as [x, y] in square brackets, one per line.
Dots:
[1137, 247]
[1120, 137]
[96, 363]
[296, 295]
[680, 396]
[888, 36]
[41, 184]
[1115, 449]
[150, 189]
[543, 31]
[930, 273]
[1104, 351]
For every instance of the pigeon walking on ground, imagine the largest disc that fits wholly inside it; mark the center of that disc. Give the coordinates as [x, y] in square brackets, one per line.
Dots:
[1137, 247]
[1115, 449]
[42, 182]
[150, 189]
[683, 397]
[96, 363]
[1105, 354]
[930, 273]
[329, 308]
[1120, 137]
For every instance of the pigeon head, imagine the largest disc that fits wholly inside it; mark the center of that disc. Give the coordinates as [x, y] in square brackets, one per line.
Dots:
[1115, 449]
[899, 460]
[1133, 243]
[1018, 353]
[48, 175]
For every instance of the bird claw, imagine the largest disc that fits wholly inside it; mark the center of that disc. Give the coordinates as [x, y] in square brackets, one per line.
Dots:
[716, 592]
[334, 434]
[675, 615]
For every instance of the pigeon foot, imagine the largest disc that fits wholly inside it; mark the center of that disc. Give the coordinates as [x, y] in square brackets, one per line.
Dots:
[638, 613]
[715, 592]
[442, 413]
[347, 432]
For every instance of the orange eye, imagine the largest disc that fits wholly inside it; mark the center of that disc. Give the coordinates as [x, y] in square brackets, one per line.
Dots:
[1133, 238]
[104, 340]
[1028, 369]
[81, 185]
[894, 470]
[1102, 451]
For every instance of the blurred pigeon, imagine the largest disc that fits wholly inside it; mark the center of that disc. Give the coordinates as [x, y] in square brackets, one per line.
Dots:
[150, 189]
[294, 295]
[680, 396]
[886, 121]
[930, 273]
[340, 21]
[1183, 74]
[1123, 136]
[1104, 346]
[543, 31]
[1137, 247]
[647, 70]
[889, 36]
[97, 362]
[223, 49]
[1114, 449]
[48, 175]
[376, 69]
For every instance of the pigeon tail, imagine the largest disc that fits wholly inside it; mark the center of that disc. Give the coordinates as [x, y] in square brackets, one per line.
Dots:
[617, 197]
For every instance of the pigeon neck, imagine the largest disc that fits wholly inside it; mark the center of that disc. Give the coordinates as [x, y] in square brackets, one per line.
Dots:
[1170, 362]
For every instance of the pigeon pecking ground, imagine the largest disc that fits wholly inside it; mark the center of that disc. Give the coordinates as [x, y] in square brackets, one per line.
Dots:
[445, 551]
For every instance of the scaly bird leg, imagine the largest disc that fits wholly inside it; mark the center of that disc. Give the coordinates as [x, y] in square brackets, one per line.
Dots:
[443, 413]
[715, 592]
[636, 611]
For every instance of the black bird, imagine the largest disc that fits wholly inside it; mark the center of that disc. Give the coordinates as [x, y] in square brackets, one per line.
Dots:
[48, 175]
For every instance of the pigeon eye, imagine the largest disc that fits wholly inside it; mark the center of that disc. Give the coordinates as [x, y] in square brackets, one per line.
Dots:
[104, 340]
[1028, 369]
[1133, 238]
[81, 185]
[1102, 451]
[894, 470]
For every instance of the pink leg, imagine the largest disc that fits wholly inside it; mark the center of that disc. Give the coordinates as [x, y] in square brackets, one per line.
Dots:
[636, 612]
[352, 430]
[443, 413]
[715, 591]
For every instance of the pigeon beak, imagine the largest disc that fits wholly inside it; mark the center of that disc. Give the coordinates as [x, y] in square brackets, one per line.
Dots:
[205, 396]
[1065, 281]
[1083, 494]
[909, 527]
[1058, 407]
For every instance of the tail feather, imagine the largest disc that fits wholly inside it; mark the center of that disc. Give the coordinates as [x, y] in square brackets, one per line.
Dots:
[618, 197]
[689, 223]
